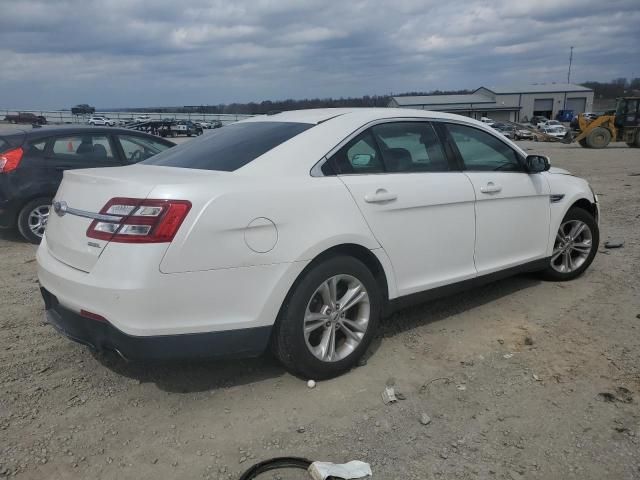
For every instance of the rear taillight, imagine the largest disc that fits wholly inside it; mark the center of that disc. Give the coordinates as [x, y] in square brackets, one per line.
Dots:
[141, 221]
[10, 160]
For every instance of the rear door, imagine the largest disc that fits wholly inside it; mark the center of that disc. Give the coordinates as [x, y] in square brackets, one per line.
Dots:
[418, 206]
[512, 206]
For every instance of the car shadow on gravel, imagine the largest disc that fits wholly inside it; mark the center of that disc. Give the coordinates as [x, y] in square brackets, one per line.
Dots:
[11, 235]
[429, 312]
[194, 376]
[206, 375]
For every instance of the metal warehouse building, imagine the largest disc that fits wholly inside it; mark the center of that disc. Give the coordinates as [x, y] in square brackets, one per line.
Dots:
[515, 104]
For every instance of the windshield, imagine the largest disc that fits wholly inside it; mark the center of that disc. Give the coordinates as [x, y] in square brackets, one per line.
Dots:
[229, 148]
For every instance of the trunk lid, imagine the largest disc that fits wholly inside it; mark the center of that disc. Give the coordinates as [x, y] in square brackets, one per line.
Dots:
[89, 190]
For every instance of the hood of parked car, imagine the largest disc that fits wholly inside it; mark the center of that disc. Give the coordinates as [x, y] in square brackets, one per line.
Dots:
[559, 171]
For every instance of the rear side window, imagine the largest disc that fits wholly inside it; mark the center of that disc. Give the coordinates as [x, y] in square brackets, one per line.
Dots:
[410, 147]
[229, 148]
[359, 156]
[37, 146]
[83, 148]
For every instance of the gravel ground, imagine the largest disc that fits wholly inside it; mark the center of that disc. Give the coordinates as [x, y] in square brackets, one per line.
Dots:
[521, 379]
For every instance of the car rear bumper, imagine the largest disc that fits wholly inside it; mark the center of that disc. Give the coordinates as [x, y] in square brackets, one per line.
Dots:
[126, 288]
[101, 335]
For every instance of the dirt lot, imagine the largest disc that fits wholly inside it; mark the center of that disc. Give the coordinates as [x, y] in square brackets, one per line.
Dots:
[521, 379]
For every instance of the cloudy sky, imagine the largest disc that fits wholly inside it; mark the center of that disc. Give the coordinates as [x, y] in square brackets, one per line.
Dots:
[116, 53]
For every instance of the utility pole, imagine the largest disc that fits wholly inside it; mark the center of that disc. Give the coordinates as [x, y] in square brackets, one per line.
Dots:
[570, 62]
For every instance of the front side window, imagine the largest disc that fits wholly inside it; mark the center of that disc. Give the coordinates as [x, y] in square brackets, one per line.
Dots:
[89, 148]
[137, 148]
[482, 151]
[410, 147]
[229, 148]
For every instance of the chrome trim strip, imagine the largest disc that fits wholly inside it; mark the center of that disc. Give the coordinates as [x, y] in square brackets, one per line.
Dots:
[94, 216]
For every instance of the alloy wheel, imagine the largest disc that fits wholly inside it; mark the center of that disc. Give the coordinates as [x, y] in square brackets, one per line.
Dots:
[38, 219]
[573, 244]
[336, 318]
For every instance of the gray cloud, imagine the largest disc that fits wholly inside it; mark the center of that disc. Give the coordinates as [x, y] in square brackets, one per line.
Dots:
[134, 53]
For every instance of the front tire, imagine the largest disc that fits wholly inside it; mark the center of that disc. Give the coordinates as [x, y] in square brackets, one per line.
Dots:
[576, 244]
[599, 137]
[32, 219]
[328, 319]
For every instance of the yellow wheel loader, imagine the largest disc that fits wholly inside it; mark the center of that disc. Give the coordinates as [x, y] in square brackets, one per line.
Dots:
[623, 126]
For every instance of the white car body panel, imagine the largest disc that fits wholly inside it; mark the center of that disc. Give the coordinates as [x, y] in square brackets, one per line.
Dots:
[422, 256]
[299, 230]
[504, 236]
[251, 232]
[127, 288]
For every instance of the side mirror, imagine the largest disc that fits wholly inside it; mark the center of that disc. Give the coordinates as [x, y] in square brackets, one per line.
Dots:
[361, 160]
[537, 163]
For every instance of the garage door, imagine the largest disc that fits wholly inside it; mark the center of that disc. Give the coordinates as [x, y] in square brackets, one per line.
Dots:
[543, 105]
[576, 104]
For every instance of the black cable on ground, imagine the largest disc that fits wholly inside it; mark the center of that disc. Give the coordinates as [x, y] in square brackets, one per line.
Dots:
[275, 464]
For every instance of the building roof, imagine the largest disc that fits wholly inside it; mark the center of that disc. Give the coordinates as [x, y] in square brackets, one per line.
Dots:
[539, 88]
[442, 99]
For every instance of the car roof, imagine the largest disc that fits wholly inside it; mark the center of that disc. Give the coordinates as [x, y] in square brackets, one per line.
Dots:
[49, 130]
[365, 114]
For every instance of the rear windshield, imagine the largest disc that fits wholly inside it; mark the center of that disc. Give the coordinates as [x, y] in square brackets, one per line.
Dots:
[229, 148]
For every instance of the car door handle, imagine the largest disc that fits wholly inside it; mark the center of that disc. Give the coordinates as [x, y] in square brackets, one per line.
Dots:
[491, 188]
[380, 196]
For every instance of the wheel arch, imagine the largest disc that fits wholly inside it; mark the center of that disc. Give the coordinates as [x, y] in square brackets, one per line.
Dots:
[586, 204]
[366, 256]
[25, 201]
[375, 260]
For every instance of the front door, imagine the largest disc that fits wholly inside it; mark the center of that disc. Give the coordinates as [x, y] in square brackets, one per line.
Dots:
[512, 206]
[419, 207]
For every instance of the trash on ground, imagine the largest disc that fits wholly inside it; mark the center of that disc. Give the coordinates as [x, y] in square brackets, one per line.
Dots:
[425, 419]
[536, 378]
[461, 387]
[350, 470]
[507, 355]
[311, 383]
[389, 395]
[424, 387]
[617, 243]
[622, 394]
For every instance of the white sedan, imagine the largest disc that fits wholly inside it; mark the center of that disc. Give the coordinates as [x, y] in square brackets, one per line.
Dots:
[557, 131]
[101, 121]
[299, 231]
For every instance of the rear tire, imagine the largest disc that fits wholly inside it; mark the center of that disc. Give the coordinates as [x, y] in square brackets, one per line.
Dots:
[32, 219]
[573, 250]
[599, 137]
[334, 339]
